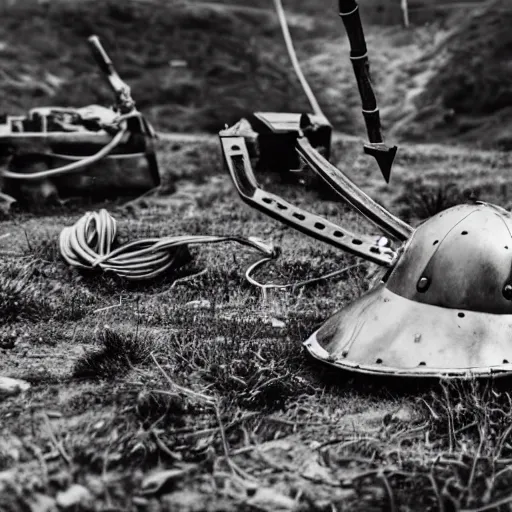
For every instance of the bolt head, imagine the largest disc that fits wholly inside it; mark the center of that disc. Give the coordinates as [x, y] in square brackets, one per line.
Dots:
[423, 284]
[507, 291]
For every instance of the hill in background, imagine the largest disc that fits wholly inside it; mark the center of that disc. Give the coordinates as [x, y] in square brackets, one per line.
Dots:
[464, 87]
[191, 66]
[195, 66]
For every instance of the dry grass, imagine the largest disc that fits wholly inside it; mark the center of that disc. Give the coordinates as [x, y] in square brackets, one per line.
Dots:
[200, 397]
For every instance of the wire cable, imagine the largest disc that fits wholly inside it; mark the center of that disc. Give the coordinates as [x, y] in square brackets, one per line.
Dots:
[299, 284]
[295, 61]
[89, 244]
[122, 128]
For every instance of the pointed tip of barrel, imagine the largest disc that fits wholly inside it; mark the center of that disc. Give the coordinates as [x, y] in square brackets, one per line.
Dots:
[385, 157]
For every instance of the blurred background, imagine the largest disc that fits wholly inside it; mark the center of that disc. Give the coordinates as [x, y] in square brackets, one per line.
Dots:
[195, 66]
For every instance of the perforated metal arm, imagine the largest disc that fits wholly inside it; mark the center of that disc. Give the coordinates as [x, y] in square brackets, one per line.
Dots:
[352, 193]
[239, 166]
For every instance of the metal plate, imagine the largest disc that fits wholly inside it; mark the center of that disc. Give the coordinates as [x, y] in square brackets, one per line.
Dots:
[384, 333]
[464, 257]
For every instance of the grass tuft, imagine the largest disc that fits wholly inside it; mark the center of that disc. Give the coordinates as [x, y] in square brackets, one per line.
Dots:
[421, 200]
[20, 296]
[118, 352]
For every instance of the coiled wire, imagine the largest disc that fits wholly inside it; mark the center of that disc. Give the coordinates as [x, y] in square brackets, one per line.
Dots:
[88, 244]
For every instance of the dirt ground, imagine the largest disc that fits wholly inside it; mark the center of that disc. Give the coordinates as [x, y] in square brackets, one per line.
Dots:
[194, 393]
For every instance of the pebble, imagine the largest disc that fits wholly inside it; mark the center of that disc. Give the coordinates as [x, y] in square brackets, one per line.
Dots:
[76, 495]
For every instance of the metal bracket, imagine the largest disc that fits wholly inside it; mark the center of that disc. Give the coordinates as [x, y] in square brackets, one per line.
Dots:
[239, 165]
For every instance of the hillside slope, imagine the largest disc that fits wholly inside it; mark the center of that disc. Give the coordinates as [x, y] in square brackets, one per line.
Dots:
[191, 67]
[464, 88]
[194, 66]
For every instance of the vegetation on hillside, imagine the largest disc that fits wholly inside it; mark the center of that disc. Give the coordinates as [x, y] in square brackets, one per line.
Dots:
[195, 66]
[191, 67]
[466, 90]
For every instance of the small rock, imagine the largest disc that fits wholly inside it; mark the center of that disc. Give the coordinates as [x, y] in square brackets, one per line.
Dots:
[178, 63]
[53, 415]
[12, 387]
[271, 500]
[42, 503]
[76, 495]
[159, 480]
[403, 415]
[95, 485]
[140, 501]
[199, 304]
[99, 425]
[274, 322]
[278, 324]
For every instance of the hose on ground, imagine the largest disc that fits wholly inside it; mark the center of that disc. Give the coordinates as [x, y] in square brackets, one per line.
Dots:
[90, 244]
[79, 164]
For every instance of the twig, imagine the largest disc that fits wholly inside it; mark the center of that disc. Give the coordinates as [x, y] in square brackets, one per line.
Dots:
[180, 281]
[164, 447]
[409, 432]
[110, 307]
[222, 435]
[499, 473]
[185, 432]
[466, 427]
[392, 504]
[435, 488]
[434, 414]
[451, 433]
[54, 440]
[502, 440]
[185, 279]
[490, 506]
[146, 194]
[209, 400]
[347, 442]
[475, 461]
[453, 462]
[235, 469]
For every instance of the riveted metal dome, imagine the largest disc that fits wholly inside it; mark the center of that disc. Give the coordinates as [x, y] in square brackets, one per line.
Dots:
[445, 310]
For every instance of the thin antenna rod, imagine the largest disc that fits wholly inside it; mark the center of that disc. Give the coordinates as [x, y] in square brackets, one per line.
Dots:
[295, 62]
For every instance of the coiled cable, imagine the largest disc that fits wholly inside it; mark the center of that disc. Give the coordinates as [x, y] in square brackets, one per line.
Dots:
[88, 244]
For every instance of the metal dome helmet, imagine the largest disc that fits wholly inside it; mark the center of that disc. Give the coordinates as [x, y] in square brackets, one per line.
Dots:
[445, 309]
[444, 305]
